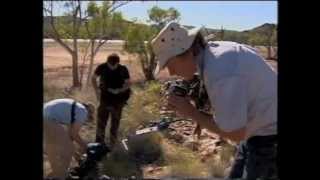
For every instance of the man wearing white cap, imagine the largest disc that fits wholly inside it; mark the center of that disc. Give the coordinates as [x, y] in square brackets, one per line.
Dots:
[241, 86]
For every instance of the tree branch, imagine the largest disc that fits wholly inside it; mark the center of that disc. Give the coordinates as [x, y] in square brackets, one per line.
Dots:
[63, 44]
[47, 10]
[75, 20]
[100, 44]
[114, 6]
[84, 59]
[87, 28]
[56, 36]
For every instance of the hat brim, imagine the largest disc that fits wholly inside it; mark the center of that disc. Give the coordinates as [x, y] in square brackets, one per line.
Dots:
[162, 61]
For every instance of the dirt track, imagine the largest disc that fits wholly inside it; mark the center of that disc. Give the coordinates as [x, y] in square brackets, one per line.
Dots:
[57, 62]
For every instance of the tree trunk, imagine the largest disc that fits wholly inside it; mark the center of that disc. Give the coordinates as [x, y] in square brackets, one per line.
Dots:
[92, 54]
[75, 74]
[149, 74]
[147, 66]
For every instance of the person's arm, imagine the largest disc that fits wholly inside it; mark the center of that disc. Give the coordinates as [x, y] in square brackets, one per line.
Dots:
[95, 86]
[230, 99]
[186, 109]
[74, 130]
[127, 81]
[126, 85]
[207, 121]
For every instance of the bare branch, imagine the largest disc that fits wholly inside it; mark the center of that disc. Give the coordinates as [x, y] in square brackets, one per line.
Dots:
[74, 15]
[80, 13]
[100, 44]
[84, 59]
[63, 44]
[87, 29]
[47, 11]
[56, 36]
[114, 6]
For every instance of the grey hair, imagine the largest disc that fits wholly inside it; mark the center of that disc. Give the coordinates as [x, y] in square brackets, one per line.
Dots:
[89, 106]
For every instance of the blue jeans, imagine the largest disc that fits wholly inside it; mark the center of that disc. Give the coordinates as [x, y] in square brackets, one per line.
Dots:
[256, 158]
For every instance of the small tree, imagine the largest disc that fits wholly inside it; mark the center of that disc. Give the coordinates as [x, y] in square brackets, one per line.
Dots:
[95, 23]
[139, 36]
[66, 26]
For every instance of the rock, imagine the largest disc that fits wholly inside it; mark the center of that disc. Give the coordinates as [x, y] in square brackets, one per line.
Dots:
[187, 129]
[211, 149]
[189, 126]
[153, 169]
[191, 144]
[218, 143]
[176, 136]
[150, 169]
[205, 157]
[104, 177]
[187, 133]
[156, 169]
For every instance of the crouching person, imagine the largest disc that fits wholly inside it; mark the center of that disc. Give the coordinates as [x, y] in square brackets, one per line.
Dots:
[62, 120]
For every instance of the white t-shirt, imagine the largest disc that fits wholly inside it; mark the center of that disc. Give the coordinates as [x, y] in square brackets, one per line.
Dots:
[242, 88]
[59, 110]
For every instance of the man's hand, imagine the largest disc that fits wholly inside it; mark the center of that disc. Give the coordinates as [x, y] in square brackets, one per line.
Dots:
[77, 156]
[182, 105]
[95, 86]
[113, 91]
[74, 135]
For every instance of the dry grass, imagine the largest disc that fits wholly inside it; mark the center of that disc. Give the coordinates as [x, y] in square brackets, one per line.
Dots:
[220, 163]
[142, 107]
[183, 162]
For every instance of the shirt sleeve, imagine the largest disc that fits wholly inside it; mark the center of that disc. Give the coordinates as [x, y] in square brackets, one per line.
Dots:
[98, 70]
[81, 115]
[229, 97]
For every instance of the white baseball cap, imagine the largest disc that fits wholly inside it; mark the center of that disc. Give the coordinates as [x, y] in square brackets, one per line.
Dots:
[171, 41]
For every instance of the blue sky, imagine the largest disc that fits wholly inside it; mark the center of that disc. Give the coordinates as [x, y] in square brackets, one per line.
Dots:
[232, 15]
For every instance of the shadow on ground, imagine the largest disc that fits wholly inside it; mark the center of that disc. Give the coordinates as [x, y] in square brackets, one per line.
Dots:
[143, 150]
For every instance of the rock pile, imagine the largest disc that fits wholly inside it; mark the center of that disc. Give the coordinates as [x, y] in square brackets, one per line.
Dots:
[207, 144]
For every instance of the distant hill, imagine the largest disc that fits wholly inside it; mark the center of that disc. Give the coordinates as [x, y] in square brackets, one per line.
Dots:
[264, 28]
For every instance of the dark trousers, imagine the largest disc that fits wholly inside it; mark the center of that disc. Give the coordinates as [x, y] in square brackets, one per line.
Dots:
[256, 158]
[104, 111]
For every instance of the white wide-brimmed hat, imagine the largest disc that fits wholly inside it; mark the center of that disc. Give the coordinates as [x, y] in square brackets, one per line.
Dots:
[171, 41]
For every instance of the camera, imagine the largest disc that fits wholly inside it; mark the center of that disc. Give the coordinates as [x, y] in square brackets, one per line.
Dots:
[95, 153]
[193, 88]
[177, 87]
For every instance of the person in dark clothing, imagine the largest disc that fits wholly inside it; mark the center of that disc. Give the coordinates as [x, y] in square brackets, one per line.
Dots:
[112, 93]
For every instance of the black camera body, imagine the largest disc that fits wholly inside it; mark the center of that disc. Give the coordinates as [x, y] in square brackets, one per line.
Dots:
[177, 87]
[95, 153]
[193, 89]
